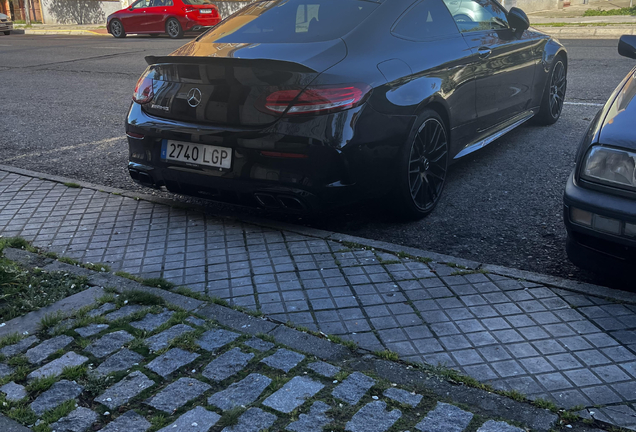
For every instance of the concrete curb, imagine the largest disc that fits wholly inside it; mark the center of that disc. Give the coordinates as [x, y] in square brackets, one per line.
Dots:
[63, 32]
[552, 281]
[588, 32]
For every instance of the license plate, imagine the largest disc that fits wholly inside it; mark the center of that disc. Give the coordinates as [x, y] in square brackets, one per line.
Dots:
[199, 154]
[204, 11]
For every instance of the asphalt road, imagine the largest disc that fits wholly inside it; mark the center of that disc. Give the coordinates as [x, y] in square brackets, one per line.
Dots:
[63, 101]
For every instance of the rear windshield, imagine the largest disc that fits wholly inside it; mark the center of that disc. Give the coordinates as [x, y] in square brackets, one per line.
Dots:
[292, 21]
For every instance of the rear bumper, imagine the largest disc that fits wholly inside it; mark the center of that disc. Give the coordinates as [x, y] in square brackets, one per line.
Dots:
[336, 171]
[590, 247]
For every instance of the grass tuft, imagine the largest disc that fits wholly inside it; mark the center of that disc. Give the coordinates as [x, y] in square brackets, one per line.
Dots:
[39, 385]
[71, 185]
[158, 283]
[387, 355]
[98, 267]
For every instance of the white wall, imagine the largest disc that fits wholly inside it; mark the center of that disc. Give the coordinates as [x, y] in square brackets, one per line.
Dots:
[78, 11]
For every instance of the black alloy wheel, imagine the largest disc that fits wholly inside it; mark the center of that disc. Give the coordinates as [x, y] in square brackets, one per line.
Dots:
[554, 94]
[174, 29]
[7, 32]
[117, 29]
[424, 168]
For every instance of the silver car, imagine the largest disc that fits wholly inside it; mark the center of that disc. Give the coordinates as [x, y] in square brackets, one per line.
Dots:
[6, 25]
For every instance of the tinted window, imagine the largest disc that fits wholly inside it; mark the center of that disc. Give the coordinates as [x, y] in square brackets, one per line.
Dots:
[141, 4]
[197, 2]
[427, 19]
[292, 21]
[161, 3]
[477, 15]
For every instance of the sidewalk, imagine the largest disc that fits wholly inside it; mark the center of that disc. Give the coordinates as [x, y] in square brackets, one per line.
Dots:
[570, 343]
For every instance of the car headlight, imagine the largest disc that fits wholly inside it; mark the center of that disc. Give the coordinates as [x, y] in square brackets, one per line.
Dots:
[610, 166]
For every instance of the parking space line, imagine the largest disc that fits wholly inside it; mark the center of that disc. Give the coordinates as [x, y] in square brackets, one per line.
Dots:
[584, 104]
[57, 150]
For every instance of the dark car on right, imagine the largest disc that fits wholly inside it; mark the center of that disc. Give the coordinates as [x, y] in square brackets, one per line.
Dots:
[600, 195]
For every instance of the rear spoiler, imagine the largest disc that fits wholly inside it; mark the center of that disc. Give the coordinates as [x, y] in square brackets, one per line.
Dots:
[255, 63]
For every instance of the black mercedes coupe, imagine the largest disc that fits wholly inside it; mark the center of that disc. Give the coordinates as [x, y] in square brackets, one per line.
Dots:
[600, 195]
[304, 104]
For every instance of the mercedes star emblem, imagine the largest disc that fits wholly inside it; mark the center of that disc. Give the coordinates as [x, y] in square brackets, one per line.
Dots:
[194, 97]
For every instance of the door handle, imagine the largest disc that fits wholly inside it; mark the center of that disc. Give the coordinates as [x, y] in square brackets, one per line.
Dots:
[484, 52]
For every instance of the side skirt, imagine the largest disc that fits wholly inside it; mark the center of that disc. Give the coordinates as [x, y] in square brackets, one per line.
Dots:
[498, 133]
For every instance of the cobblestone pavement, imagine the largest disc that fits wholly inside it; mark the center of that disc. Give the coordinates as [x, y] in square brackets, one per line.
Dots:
[99, 370]
[573, 349]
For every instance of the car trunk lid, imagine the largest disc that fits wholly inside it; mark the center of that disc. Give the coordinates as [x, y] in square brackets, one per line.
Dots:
[227, 84]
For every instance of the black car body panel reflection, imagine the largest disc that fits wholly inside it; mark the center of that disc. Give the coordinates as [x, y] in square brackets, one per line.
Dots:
[322, 103]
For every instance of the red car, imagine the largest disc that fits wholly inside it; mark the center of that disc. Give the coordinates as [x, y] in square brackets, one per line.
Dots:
[154, 17]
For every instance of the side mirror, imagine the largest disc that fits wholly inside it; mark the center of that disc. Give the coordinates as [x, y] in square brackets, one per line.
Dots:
[518, 20]
[627, 46]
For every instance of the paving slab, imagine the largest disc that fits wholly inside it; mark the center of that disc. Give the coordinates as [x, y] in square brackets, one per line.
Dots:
[59, 393]
[109, 343]
[252, 420]
[227, 364]
[8, 425]
[123, 312]
[41, 352]
[153, 321]
[5, 370]
[101, 310]
[495, 426]
[56, 367]
[162, 340]
[13, 392]
[315, 421]
[79, 420]
[196, 420]
[325, 369]
[196, 321]
[212, 340]
[170, 361]
[178, 394]
[20, 347]
[403, 396]
[130, 421]
[293, 394]
[374, 417]
[91, 330]
[121, 360]
[353, 388]
[259, 344]
[126, 389]
[283, 359]
[445, 417]
[241, 393]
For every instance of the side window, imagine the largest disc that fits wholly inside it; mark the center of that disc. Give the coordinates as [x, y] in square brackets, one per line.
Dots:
[306, 16]
[161, 3]
[426, 20]
[477, 15]
[141, 4]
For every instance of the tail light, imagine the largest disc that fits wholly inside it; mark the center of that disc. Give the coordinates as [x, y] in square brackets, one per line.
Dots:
[189, 9]
[143, 90]
[317, 100]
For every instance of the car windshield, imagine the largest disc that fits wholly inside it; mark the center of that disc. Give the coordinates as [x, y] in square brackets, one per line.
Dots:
[197, 2]
[292, 21]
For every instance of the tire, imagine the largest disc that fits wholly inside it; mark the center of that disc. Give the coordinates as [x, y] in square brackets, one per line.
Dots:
[422, 167]
[117, 29]
[553, 94]
[7, 33]
[174, 29]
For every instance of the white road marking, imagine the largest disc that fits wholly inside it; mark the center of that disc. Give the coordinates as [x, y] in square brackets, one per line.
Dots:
[584, 104]
[71, 147]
